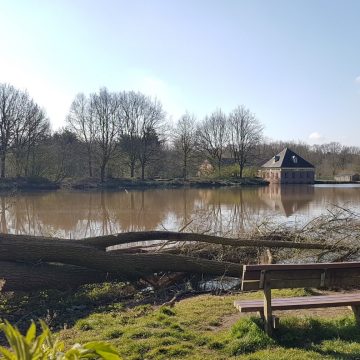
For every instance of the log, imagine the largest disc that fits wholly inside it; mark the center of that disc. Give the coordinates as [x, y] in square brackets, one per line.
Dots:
[27, 277]
[68, 263]
[127, 265]
[102, 242]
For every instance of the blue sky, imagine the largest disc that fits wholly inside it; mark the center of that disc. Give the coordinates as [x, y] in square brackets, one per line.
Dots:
[296, 64]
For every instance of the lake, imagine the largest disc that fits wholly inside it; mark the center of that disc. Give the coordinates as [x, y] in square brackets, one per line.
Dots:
[225, 211]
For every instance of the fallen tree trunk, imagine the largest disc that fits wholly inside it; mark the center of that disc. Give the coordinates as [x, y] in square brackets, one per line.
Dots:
[27, 277]
[102, 242]
[29, 262]
[128, 265]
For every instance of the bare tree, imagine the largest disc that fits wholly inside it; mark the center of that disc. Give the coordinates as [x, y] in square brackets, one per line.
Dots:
[185, 140]
[22, 124]
[131, 104]
[29, 131]
[142, 119]
[149, 147]
[81, 122]
[213, 136]
[107, 126]
[10, 112]
[245, 135]
[332, 152]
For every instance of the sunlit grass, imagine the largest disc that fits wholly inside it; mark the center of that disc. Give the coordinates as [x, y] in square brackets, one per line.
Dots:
[202, 327]
[196, 328]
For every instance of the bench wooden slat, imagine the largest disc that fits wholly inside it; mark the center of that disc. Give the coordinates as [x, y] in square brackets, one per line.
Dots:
[339, 265]
[305, 302]
[288, 278]
[282, 284]
[301, 273]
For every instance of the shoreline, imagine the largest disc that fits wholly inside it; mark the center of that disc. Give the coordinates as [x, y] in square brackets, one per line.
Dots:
[22, 184]
[335, 182]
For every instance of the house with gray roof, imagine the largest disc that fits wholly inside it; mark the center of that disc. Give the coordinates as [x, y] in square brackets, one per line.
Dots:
[287, 167]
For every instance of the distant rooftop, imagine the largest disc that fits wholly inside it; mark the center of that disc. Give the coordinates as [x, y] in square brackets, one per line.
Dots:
[287, 159]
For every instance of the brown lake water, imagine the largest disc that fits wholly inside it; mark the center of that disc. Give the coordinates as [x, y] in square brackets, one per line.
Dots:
[225, 211]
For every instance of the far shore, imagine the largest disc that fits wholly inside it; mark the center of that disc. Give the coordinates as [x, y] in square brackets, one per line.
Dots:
[11, 185]
[19, 184]
[335, 182]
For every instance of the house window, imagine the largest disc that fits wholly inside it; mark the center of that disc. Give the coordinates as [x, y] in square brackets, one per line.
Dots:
[286, 175]
[293, 175]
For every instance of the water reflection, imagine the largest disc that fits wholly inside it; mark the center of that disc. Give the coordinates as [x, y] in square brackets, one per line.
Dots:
[223, 211]
[288, 199]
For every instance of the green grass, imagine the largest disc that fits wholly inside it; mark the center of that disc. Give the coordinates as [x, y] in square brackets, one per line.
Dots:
[201, 328]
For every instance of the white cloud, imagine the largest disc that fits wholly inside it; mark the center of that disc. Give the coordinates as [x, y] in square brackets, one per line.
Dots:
[316, 137]
[357, 79]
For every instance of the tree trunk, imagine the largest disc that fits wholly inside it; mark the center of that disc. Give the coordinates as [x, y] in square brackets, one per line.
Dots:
[3, 160]
[143, 171]
[65, 263]
[241, 171]
[90, 167]
[28, 277]
[127, 265]
[102, 242]
[132, 169]
[102, 171]
[185, 168]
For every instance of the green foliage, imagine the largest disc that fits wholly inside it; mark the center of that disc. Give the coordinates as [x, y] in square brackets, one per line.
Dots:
[44, 346]
[233, 171]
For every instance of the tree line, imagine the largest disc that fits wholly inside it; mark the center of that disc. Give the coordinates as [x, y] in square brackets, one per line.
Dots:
[128, 134]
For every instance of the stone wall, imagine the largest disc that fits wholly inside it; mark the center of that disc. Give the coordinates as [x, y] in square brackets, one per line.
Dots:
[288, 176]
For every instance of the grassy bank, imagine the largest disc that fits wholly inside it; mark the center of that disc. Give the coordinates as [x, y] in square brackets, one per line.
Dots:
[201, 327]
[128, 184]
[27, 184]
[39, 184]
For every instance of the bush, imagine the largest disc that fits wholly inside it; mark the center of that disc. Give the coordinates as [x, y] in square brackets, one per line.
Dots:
[44, 346]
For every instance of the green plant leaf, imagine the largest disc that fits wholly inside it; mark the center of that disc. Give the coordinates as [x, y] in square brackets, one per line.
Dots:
[31, 333]
[7, 354]
[106, 351]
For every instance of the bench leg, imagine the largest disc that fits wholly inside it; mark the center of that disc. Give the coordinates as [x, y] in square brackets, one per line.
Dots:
[356, 311]
[268, 318]
[275, 322]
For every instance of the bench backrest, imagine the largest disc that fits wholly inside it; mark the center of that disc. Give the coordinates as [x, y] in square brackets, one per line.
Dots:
[319, 275]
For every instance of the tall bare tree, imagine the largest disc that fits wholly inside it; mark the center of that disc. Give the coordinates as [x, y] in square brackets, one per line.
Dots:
[245, 135]
[29, 131]
[10, 112]
[81, 122]
[185, 140]
[213, 136]
[22, 122]
[104, 107]
[131, 104]
[142, 120]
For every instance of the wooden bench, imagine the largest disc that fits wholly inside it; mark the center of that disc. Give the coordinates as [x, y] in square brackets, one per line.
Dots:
[325, 275]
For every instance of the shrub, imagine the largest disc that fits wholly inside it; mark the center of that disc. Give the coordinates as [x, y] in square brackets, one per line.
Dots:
[45, 347]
